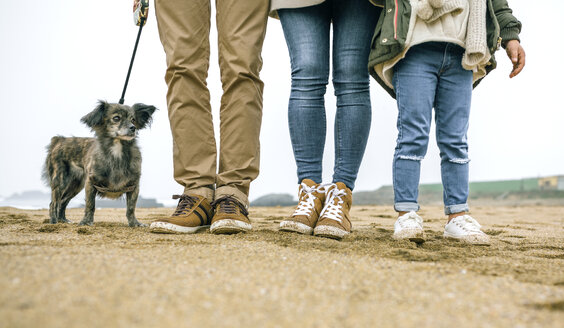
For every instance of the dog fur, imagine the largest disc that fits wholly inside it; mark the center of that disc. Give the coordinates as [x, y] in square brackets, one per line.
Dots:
[108, 165]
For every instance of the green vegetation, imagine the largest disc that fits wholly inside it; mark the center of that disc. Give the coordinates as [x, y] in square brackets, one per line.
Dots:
[514, 190]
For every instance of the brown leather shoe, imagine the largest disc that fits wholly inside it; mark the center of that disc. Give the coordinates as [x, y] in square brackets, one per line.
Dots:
[230, 216]
[310, 203]
[335, 219]
[193, 213]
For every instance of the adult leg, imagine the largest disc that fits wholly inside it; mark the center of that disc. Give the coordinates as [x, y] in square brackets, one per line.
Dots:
[307, 35]
[184, 32]
[353, 27]
[241, 26]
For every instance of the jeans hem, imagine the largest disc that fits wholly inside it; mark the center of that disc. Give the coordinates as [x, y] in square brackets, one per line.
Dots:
[406, 207]
[451, 209]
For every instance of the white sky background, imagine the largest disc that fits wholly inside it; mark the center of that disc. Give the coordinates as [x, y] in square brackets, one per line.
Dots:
[59, 57]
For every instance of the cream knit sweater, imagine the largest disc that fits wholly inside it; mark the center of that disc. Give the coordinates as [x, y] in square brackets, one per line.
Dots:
[461, 22]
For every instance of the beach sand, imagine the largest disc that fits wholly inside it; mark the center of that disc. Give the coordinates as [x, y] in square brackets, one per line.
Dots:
[110, 275]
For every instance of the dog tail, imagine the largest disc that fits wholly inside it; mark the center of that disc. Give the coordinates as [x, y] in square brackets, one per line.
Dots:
[48, 168]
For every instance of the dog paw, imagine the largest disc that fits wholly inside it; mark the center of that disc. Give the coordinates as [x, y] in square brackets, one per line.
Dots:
[86, 223]
[137, 224]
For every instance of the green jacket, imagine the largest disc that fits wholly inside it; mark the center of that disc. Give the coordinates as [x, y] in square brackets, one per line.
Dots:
[391, 32]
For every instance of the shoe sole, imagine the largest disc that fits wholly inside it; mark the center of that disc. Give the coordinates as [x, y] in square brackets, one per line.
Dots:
[293, 226]
[472, 239]
[416, 236]
[329, 232]
[165, 227]
[229, 226]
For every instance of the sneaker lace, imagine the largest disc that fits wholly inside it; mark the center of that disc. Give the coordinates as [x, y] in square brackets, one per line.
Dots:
[185, 203]
[307, 200]
[229, 205]
[468, 223]
[410, 220]
[333, 205]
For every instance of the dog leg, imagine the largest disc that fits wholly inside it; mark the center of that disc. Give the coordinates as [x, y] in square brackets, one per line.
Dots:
[131, 198]
[53, 211]
[90, 205]
[62, 209]
[54, 206]
[73, 188]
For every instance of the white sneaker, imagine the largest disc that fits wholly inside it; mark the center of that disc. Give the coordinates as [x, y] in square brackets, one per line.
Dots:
[409, 226]
[465, 228]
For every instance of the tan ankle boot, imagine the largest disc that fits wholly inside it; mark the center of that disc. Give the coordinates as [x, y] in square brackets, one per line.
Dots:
[335, 219]
[311, 198]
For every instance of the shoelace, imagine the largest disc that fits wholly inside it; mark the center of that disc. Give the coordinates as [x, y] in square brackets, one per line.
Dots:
[467, 223]
[185, 203]
[333, 206]
[409, 220]
[229, 205]
[306, 202]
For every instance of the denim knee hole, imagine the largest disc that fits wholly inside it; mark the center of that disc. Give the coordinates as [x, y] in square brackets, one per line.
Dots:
[411, 158]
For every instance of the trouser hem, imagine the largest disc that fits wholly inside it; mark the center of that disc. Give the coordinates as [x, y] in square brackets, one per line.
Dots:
[206, 192]
[234, 192]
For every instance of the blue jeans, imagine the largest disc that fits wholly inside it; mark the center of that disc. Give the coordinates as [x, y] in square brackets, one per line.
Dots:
[307, 33]
[431, 76]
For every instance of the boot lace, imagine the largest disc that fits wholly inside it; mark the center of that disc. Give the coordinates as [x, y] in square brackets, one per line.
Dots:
[185, 204]
[229, 204]
[307, 200]
[334, 204]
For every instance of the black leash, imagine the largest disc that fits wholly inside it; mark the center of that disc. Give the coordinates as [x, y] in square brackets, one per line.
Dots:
[141, 18]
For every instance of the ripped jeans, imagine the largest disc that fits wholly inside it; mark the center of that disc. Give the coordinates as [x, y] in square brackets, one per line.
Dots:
[431, 76]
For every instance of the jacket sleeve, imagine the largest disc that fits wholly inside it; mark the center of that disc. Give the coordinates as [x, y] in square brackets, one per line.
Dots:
[509, 26]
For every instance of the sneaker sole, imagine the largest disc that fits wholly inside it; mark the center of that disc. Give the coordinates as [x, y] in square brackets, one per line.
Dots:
[165, 227]
[229, 226]
[293, 226]
[329, 232]
[416, 236]
[472, 239]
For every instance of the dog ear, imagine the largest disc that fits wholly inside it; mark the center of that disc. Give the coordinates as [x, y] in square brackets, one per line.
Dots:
[96, 117]
[143, 114]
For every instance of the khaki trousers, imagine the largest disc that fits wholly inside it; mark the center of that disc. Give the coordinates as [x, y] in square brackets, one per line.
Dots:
[184, 27]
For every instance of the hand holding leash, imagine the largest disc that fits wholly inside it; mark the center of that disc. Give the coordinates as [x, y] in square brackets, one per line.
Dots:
[140, 11]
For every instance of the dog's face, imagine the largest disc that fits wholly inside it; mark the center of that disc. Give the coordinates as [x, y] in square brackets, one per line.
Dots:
[118, 121]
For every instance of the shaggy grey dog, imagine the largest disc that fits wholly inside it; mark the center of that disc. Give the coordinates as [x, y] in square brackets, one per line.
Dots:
[108, 165]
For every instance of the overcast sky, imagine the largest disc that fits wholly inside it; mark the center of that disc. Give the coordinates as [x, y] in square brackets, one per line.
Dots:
[59, 57]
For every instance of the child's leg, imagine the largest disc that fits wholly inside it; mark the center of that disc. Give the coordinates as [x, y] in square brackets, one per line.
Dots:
[415, 82]
[452, 110]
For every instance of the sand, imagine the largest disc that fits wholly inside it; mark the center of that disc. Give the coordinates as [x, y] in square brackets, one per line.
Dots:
[110, 275]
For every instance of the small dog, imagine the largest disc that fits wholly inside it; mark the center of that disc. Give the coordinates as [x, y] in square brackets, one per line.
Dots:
[108, 165]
